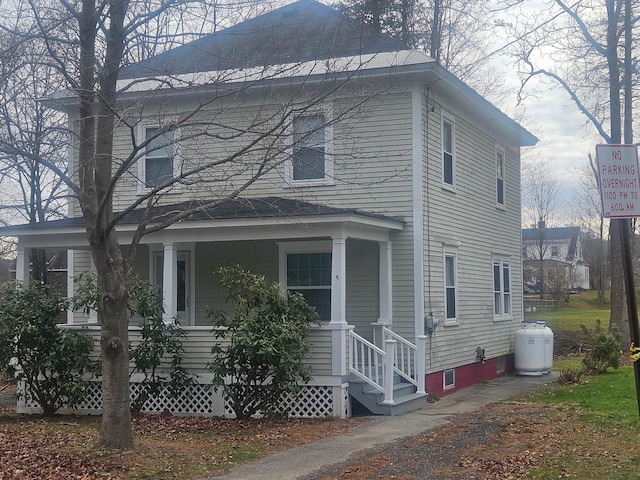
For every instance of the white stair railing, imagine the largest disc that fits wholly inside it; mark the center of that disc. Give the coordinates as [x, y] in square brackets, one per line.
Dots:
[369, 363]
[376, 366]
[409, 358]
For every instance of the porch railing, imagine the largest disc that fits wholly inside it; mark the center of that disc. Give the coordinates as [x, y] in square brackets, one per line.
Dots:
[366, 361]
[405, 355]
[377, 367]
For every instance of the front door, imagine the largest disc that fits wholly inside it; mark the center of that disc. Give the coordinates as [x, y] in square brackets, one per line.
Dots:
[182, 300]
[183, 288]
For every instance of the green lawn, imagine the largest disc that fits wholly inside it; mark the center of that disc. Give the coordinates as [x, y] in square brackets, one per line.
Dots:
[581, 309]
[597, 429]
[607, 400]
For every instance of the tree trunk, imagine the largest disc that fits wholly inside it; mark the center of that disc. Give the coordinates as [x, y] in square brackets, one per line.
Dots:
[96, 200]
[114, 344]
[436, 26]
[619, 316]
[602, 264]
[38, 258]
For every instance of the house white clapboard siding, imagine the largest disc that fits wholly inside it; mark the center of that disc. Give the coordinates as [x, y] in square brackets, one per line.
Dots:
[395, 194]
[558, 250]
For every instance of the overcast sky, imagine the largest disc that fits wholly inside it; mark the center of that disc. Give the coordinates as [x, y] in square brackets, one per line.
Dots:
[566, 138]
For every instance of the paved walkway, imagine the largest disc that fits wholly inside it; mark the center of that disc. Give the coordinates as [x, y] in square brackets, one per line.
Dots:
[297, 462]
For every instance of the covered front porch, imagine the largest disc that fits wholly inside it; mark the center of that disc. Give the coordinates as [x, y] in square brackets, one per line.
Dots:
[340, 260]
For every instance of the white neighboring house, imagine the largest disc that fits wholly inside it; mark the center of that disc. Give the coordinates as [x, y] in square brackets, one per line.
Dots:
[405, 235]
[561, 251]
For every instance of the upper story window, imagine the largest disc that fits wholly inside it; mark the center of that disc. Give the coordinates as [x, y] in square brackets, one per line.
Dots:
[308, 147]
[311, 160]
[448, 159]
[160, 160]
[501, 288]
[554, 251]
[500, 160]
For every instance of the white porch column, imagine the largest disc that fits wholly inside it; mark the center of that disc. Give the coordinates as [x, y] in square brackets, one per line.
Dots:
[385, 297]
[386, 284]
[169, 282]
[338, 323]
[338, 280]
[70, 283]
[22, 265]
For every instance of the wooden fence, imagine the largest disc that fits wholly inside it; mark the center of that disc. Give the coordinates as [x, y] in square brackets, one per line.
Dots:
[540, 304]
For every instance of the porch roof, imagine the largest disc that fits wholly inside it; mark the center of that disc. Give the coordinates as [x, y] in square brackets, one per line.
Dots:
[240, 218]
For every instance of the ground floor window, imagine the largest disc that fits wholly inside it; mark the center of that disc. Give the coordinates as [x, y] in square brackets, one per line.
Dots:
[310, 274]
[449, 379]
[450, 286]
[501, 365]
[501, 287]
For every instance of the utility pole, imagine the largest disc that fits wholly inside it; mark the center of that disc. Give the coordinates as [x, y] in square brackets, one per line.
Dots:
[631, 296]
[619, 184]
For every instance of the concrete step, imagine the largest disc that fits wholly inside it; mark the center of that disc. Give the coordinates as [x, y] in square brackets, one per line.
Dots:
[405, 398]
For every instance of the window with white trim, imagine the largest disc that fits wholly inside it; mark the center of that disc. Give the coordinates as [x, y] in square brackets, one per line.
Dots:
[160, 161]
[448, 159]
[310, 274]
[311, 160]
[501, 288]
[500, 159]
[449, 379]
[450, 286]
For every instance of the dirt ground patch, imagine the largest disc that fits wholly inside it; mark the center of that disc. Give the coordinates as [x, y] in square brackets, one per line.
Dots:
[166, 447]
[503, 441]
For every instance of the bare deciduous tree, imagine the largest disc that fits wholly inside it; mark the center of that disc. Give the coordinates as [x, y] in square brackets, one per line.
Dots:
[540, 196]
[457, 34]
[89, 43]
[587, 212]
[29, 132]
[585, 48]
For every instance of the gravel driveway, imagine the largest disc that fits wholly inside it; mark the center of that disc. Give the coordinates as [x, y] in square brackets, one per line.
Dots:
[7, 398]
[433, 455]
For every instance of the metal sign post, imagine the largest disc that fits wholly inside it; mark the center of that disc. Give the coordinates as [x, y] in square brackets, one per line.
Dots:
[619, 184]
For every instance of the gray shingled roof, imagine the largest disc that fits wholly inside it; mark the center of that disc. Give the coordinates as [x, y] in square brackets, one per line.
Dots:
[299, 32]
[247, 208]
[569, 234]
[551, 233]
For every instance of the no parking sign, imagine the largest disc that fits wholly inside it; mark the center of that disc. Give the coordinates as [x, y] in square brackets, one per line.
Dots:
[619, 180]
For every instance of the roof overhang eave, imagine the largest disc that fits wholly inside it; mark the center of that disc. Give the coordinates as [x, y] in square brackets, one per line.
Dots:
[351, 224]
[468, 95]
[344, 68]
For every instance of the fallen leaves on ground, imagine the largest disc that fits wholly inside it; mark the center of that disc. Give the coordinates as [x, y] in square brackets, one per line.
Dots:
[166, 446]
[503, 441]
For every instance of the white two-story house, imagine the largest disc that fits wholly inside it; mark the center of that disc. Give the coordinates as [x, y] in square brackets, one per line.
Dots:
[559, 249]
[394, 206]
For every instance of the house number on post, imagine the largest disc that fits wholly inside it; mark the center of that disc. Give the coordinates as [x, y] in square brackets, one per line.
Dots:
[619, 180]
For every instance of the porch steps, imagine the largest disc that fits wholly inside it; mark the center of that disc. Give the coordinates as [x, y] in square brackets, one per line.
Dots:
[405, 398]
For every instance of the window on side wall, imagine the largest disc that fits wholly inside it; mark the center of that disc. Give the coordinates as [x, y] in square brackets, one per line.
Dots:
[448, 160]
[309, 273]
[449, 379]
[500, 160]
[159, 162]
[450, 287]
[311, 150]
[501, 288]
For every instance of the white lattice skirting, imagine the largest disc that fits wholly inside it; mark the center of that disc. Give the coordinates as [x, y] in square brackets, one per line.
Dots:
[200, 399]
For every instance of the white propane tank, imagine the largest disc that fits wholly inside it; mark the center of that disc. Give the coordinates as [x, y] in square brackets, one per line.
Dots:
[533, 348]
[548, 349]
